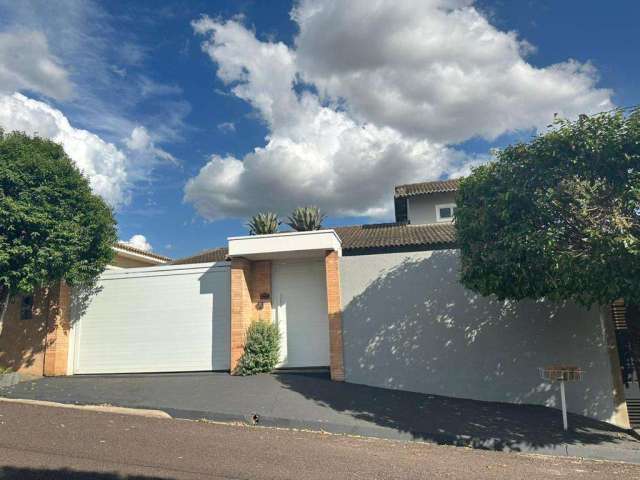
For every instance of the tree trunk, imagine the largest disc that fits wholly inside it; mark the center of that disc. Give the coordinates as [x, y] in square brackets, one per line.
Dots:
[4, 304]
[632, 318]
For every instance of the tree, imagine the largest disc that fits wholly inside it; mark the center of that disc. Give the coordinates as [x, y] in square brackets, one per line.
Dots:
[52, 227]
[306, 219]
[559, 217]
[264, 223]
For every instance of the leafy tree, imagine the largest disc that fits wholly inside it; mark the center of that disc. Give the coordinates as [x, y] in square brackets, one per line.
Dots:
[52, 227]
[559, 217]
[261, 350]
[264, 223]
[305, 219]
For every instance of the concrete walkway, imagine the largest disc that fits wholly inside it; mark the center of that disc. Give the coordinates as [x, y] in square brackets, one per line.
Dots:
[312, 401]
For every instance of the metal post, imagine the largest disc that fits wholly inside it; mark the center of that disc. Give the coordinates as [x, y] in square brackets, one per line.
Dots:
[564, 406]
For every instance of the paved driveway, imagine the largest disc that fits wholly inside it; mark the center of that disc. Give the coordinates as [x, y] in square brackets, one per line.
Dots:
[306, 400]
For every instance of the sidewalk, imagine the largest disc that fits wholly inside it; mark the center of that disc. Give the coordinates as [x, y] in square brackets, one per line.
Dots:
[312, 401]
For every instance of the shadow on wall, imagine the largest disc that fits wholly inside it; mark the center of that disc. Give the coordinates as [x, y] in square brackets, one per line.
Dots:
[408, 324]
[23, 341]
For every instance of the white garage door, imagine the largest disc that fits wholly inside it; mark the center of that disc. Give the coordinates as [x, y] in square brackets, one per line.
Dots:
[155, 319]
[300, 298]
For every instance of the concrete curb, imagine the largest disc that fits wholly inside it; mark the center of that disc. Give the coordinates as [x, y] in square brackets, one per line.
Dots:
[150, 413]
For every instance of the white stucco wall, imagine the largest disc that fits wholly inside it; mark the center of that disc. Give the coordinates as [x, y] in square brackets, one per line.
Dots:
[408, 324]
[422, 208]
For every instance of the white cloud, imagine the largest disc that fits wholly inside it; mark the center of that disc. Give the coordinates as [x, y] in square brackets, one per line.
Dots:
[112, 171]
[103, 163]
[227, 127]
[142, 145]
[151, 88]
[435, 69]
[398, 83]
[138, 241]
[27, 64]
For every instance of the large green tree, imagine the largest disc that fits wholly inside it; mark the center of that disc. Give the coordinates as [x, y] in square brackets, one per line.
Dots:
[52, 227]
[559, 217]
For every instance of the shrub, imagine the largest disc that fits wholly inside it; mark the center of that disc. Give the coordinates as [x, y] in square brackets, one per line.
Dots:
[264, 223]
[261, 349]
[305, 219]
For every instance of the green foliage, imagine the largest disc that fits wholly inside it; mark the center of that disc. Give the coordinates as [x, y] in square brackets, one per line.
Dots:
[4, 370]
[261, 349]
[557, 217]
[305, 219]
[264, 223]
[52, 226]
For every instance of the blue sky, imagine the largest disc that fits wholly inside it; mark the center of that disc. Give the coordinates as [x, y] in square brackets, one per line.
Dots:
[187, 116]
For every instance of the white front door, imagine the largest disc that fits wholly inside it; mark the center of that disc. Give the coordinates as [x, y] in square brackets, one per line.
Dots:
[299, 293]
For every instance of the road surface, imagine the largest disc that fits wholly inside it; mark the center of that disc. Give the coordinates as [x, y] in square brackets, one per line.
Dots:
[60, 443]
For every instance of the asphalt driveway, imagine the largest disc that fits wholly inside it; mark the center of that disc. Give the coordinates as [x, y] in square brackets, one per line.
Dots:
[312, 401]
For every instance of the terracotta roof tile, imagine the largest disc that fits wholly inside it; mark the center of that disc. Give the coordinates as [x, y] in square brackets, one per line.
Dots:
[129, 248]
[380, 235]
[383, 235]
[212, 255]
[438, 186]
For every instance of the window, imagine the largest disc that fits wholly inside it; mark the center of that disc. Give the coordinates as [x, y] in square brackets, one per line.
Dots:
[26, 308]
[444, 213]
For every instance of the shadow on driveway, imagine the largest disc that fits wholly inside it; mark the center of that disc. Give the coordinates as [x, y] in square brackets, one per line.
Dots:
[312, 401]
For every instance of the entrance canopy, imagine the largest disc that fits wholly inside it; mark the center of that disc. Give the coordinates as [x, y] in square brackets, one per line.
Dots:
[285, 245]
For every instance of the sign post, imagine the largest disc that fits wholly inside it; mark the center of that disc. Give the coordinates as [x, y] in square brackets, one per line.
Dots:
[562, 374]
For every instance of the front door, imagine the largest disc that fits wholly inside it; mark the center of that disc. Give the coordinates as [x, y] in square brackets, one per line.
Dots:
[299, 293]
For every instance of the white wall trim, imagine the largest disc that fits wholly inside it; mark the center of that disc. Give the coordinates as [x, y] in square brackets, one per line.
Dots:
[452, 206]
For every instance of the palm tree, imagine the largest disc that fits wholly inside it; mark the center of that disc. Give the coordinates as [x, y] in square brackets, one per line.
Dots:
[263, 223]
[304, 219]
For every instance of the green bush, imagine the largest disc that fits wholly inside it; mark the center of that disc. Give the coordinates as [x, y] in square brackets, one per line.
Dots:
[261, 349]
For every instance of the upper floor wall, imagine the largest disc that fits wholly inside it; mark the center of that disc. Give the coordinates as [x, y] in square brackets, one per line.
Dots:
[426, 202]
[431, 208]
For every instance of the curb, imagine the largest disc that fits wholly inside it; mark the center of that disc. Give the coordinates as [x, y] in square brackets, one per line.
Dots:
[142, 412]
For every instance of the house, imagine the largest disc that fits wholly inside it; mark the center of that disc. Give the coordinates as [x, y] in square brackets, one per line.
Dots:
[376, 304]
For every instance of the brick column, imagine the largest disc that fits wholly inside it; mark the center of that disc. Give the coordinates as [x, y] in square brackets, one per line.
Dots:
[261, 284]
[57, 338]
[334, 308]
[241, 307]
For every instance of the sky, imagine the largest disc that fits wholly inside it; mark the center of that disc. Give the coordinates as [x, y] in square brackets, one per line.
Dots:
[188, 117]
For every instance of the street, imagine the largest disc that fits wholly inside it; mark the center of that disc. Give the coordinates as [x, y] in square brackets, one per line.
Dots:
[50, 442]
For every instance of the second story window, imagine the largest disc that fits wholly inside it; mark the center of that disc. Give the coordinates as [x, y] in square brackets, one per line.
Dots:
[444, 213]
[26, 308]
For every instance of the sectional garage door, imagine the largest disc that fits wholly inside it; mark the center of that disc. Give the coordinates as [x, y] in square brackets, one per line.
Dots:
[154, 319]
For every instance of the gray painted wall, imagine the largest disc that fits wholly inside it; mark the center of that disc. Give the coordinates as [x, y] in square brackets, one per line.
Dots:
[422, 208]
[408, 324]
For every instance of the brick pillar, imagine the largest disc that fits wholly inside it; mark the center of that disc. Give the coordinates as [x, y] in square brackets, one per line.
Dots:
[249, 280]
[260, 285]
[241, 306]
[334, 308]
[57, 337]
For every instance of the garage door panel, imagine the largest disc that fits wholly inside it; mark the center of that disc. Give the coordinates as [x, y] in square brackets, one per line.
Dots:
[156, 319]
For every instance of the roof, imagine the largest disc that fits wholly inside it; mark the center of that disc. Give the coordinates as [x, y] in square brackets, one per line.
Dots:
[129, 248]
[212, 255]
[438, 186]
[386, 235]
[359, 237]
